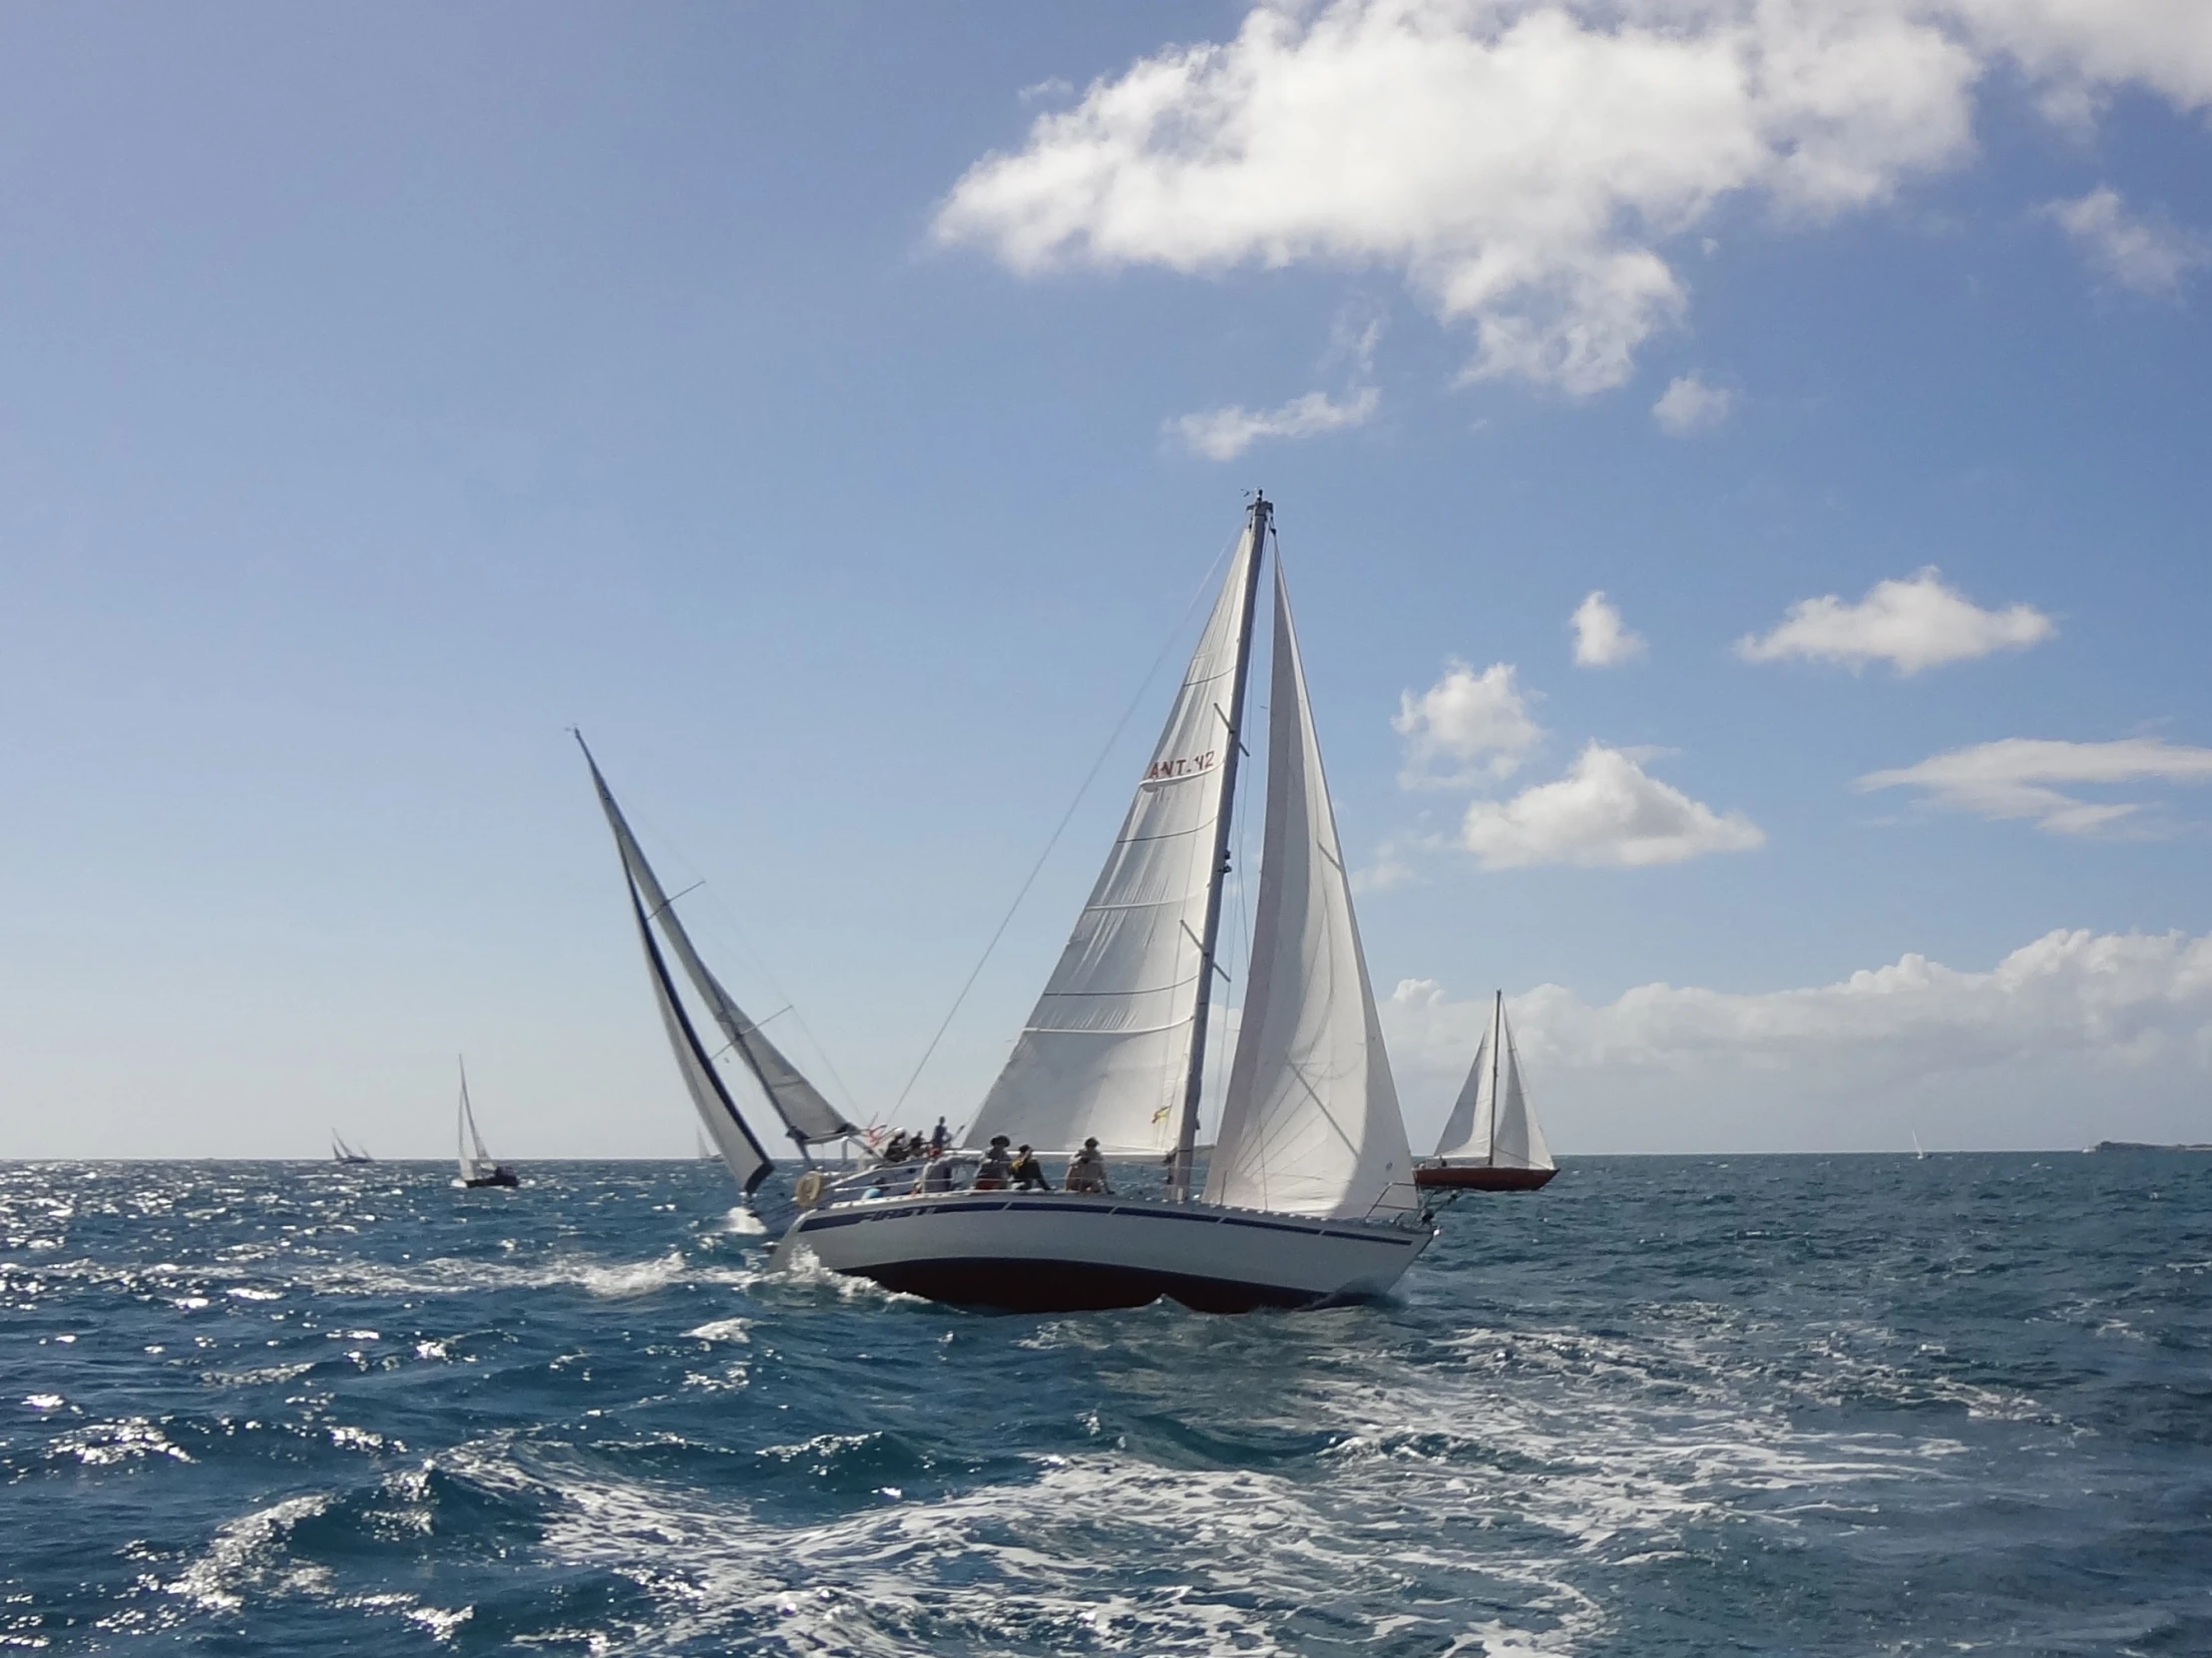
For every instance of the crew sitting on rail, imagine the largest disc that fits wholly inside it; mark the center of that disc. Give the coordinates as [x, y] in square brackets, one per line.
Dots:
[894, 1150]
[937, 1175]
[1026, 1173]
[1086, 1171]
[991, 1172]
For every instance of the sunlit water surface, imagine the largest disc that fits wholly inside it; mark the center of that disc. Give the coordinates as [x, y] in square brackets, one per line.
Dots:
[1669, 1406]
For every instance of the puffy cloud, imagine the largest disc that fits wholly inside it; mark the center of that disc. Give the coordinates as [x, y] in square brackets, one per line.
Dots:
[1605, 811]
[1523, 162]
[2013, 778]
[1477, 722]
[1688, 406]
[2136, 252]
[1224, 434]
[1600, 639]
[1989, 1058]
[1913, 624]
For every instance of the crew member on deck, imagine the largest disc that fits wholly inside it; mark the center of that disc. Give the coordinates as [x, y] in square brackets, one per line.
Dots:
[1087, 1170]
[991, 1172]
[939, 1139]
[1026, 1173]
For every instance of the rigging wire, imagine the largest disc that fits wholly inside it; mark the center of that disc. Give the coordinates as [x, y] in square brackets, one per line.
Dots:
[1066, 817]
[727, 923]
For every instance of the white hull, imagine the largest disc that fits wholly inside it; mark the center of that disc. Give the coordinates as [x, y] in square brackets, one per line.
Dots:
[1067, 1251]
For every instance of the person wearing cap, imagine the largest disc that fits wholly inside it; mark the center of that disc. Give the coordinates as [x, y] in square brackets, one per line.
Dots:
[1026, 1173]
[1087, 1170]
[991, 1172]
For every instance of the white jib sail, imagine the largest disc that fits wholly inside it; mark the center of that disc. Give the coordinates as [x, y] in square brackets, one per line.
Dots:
[1106, 1050]
[1467, 1131]
[1311, 1124]
[811, 1118]
[1519, 1142]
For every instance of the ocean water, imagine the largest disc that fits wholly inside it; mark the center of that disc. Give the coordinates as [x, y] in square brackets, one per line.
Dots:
[1780, 1405]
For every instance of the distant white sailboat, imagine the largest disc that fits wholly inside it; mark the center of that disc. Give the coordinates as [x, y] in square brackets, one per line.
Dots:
[1490, 1143]
[1919, 1151]
[478, 1167]
[1307, 1198]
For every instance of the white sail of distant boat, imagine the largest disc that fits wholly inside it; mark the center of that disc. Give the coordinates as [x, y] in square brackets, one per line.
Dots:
[1308, 1197]
[478, 1166]
[1919, 1151]
[808, 1118]
[1490, 1141]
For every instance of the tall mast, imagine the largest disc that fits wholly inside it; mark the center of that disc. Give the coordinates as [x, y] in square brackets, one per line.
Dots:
[1496, 1042]
[1187, 1134]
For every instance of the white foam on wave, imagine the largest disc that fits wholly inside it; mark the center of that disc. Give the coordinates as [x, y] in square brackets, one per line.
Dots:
[723, 1330]
[248, 1555]
[1043, 1563]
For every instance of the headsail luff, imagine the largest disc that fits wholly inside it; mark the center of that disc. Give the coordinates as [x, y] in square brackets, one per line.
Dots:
[809, 1119]
[1107, 1050]
[715, 1108]
[1311, 1124]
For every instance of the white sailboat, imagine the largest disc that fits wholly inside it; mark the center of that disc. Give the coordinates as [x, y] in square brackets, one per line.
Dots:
[808, 1118]
[1307, 1197]
[478, 1167]
[1490, 1143]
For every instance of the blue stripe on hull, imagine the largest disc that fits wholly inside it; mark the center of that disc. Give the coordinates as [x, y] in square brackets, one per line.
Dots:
[1026, 1286]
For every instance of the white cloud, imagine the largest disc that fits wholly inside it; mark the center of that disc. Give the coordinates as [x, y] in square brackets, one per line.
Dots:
[1600, 639]
[1524, 162]
[1913, 624]
[1688, 406]
[1224, 434]
[2074, 1038]
[1605, 811]
[2136, 252]
[2015, 778]
[1477, 722]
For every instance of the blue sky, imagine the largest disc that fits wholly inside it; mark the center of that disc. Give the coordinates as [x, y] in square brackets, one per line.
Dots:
[388, 391]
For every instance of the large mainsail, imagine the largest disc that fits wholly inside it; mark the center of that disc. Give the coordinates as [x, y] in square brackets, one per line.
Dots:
[1107, 1050]
[807, 1116]
[1311, 1122]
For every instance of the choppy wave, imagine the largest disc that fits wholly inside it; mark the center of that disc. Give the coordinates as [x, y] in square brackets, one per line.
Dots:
[1663, 1407]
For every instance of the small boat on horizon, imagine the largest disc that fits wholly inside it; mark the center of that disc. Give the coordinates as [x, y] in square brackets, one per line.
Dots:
[1490, 1141]
[340, 1152]
[478, 1167]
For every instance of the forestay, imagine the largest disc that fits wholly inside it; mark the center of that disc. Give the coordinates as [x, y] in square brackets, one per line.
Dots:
[809, 1118]
[1107, 1050]
[1311, 1122]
